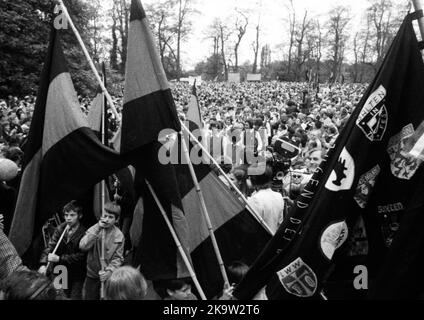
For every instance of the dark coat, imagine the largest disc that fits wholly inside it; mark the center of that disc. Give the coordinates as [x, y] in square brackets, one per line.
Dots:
[69, 253]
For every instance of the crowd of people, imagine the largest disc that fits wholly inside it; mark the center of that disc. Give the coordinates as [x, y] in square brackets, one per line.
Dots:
[292, 125]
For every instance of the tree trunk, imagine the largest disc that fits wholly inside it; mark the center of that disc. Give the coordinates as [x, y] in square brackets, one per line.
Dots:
[223, 54]
[179, 41]
[114, 49]
[256, 50]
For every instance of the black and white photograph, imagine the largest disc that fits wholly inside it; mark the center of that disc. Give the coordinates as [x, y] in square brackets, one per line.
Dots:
[231, 153]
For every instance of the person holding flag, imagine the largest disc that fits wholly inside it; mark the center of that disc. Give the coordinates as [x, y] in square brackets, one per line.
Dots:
[111, 246]
[63, 249]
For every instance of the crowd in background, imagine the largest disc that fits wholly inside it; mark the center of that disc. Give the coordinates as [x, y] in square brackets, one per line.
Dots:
[281, 117]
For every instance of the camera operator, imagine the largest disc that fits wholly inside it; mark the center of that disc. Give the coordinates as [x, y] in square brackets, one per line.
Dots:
[266, 202]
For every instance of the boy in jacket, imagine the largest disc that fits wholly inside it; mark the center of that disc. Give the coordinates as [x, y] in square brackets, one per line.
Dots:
[113, 250]
[68, 253]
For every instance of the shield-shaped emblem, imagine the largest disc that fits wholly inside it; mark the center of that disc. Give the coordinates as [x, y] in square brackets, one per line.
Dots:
[298, 279]
[372, 119]
[402, 165]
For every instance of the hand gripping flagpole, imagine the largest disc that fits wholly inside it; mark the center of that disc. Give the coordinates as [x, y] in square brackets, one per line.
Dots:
[258, 217]
[178, 243]
[205, 213]
[58, 244]
[90, 61]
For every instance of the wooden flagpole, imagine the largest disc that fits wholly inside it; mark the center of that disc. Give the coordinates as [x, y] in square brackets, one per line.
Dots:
[102, 188]
[58, 244]
[178, 243]
[205, 213]
[102, 263]
[258, 217]
[90, 61]
[418, 6]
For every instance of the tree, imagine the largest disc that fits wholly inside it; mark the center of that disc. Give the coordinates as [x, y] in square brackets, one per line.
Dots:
[119, 30]
[255, 47]
[24, 39]
[240, 24]
[183, 27]
[339, 17]
[385, 19]
[302, 55]
[315, 45]
[114, 49]
[162, 22]
[23, 33]
[292, 25]
[220, 33]
[265, 56]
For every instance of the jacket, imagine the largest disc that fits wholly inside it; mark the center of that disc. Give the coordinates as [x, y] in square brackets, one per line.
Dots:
[69, 252]
[114, 249]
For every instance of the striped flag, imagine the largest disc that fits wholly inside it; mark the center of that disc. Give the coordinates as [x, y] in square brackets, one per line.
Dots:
[63, 157]
[148, 103]
[239, 235]
[148, 109]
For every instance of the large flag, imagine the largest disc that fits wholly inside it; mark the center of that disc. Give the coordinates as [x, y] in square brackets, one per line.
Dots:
[63, 157]
[240, 237]
[148, 104]
[148, 109]
[367, 173]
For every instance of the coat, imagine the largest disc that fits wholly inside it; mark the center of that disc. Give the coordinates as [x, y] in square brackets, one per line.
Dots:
[70, 255]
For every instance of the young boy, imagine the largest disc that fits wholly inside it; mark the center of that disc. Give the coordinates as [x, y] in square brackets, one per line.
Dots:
[113, 250]
[178, 289]
[68, 253]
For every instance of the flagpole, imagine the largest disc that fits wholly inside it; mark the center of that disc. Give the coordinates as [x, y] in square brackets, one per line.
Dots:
[205, 213]
[103, 142]
[102, 262]
[90, 61]
[259, 218]
[58, 244]
[102, 188]
[177, 242]
[418, 6]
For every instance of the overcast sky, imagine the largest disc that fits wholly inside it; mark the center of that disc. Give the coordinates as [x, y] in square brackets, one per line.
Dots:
[273, 20]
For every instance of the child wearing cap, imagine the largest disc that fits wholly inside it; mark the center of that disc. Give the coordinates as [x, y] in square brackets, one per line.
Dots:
[113, 250]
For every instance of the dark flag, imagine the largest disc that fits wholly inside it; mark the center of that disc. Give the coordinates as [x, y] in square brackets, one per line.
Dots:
[368, 174]
[63, 157]
[148, 109]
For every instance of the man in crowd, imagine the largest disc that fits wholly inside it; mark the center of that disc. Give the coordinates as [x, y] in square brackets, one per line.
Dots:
[266, 202]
